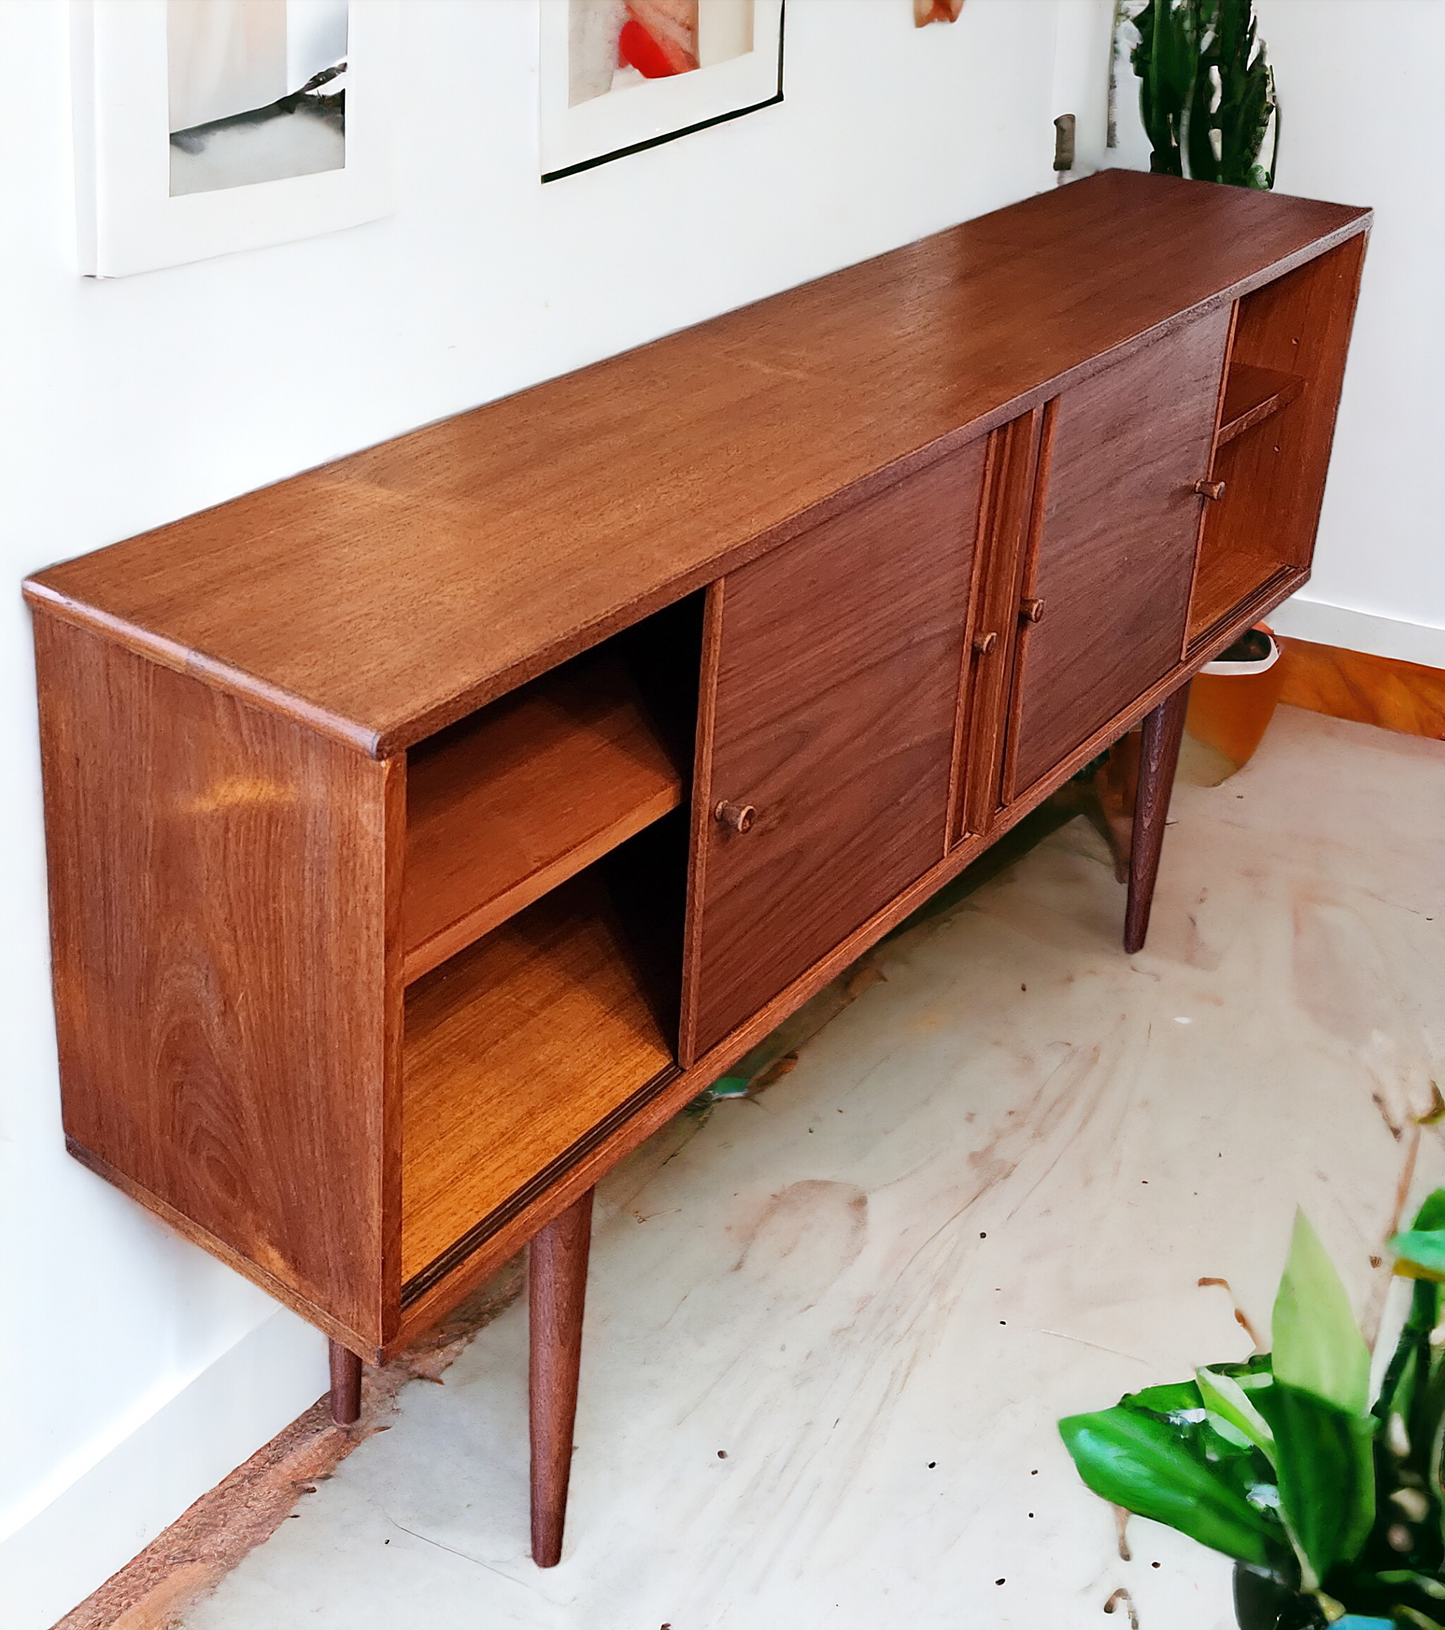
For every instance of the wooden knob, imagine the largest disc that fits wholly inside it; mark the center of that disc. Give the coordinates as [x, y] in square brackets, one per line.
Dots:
[736, 817]
[1032, 611]
[1209, 489]
[985, 643]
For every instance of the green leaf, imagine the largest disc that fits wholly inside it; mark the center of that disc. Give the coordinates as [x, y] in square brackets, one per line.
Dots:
[1323, 1455]
[1138, 1461]
[1174, 1400]
[1317, 1344]
[1199, 131]
[1209, 1438]
[1421, 1581]
[1224, 1396]
[1431, 1215]
[1409, 1367]
[1420, 1253]
[1166, 61]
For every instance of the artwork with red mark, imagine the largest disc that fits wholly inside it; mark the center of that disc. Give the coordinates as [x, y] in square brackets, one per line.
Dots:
[620, 76]
[935, 11]
[659, 38]
[614, 45]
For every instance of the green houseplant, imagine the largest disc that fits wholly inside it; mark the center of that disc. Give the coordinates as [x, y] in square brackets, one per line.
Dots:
[1206, 91]
[1329, 1502]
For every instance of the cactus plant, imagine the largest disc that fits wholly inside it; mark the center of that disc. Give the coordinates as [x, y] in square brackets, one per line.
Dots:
[1206, 91]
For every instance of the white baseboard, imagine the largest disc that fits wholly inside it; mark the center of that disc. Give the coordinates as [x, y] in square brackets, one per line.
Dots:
[1360, 631]
[116, 1507]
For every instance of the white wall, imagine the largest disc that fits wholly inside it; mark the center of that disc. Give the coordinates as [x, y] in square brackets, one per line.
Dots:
[1362, 89]
[134, 1370]
[1363, 93]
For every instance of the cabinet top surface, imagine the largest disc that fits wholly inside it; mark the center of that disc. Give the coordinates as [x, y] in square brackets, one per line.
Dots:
[384, 595]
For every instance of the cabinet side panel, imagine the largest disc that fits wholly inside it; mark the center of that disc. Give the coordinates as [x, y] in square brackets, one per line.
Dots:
[218, 940]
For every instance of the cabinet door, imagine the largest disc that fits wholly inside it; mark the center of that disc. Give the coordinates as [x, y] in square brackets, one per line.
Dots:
[830, 688]
[1114, 541]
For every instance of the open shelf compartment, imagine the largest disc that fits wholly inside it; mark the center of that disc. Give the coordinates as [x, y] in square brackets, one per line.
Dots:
[513, 1052]
[543, 902]
[1284, 371]
[523, 795]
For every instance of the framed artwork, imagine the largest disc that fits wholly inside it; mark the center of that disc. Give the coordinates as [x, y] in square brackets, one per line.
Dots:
[207, 126]
[618, 76]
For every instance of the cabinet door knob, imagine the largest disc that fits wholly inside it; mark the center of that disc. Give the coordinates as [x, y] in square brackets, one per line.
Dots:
[985, 643]
[736, 817]
[1032, 611]
[1209, 489]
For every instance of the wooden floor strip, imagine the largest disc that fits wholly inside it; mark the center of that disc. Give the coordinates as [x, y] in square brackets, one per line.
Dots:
[1382, 691]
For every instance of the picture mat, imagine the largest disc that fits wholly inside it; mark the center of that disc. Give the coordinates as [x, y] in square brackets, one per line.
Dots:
[126, 218]
[621, 122]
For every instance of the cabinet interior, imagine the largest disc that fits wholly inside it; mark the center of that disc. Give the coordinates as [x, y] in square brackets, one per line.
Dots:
[542, 912]
[1281, 386]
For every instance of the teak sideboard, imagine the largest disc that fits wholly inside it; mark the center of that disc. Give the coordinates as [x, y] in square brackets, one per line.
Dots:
[426, 829]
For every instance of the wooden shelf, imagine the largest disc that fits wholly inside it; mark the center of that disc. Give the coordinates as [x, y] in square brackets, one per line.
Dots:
[513, 1051]
[510, 803]
[1252, 395]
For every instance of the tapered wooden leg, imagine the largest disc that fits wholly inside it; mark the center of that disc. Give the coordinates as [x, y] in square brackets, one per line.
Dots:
[1158, 756]
[558, 1286]
[345, 1385]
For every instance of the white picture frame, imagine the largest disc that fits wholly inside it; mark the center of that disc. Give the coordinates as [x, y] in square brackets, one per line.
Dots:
[607, 127]
[126, 219]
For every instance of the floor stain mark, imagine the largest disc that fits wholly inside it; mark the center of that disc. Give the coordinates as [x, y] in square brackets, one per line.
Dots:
[1122, 1598]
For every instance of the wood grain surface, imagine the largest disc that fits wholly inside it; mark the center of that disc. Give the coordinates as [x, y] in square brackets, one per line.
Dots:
[218, 940]
[1115, 556]
[1252, 395]
[1158, 758]
[230, 903]
[1011, 476]
[513, 801]
[345, 1385]
[668, 1094]
[557, 1295]
[1384, 691]
[834, 696]
[385, 596]
[1274, 474]
[513, 1050]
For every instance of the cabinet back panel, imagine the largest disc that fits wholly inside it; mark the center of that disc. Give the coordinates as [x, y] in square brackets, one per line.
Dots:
[834, 676]
[1116, 552]
[218, 922]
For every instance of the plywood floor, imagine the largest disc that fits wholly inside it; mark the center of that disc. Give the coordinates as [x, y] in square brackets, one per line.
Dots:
[983, 1198]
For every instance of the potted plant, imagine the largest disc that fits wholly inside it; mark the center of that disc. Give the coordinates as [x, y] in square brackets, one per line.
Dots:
[1233, 698]
[1206, 90]
[1330, 1502]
